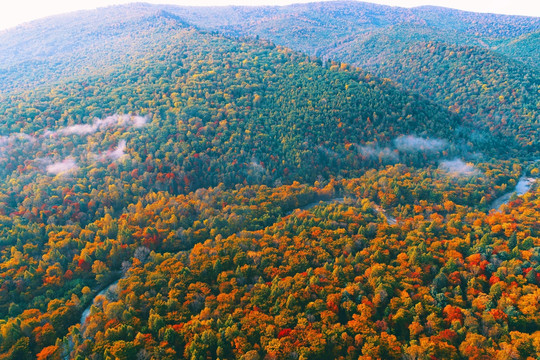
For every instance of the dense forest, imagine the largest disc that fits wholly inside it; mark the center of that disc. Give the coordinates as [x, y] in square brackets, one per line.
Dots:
[485, 88]
[204, 187]
[482, 66]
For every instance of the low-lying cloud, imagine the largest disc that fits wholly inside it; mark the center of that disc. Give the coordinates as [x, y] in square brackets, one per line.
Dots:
[458, 168]
[411, 143]
[65, 166]
[375, 152]
[256, 165]
[79, 129]
[118, 153]
[101, 124]
[11, 138]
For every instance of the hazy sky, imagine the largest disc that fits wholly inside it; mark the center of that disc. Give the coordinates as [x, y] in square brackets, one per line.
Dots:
[13, 12]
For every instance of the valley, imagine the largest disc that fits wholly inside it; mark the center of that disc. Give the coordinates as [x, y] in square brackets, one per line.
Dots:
[331, 180]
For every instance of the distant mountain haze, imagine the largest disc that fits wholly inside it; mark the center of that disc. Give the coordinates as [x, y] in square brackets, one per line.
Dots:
[15, 13]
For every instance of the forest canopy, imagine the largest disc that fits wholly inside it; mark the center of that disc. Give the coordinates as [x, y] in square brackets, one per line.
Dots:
[170, 189]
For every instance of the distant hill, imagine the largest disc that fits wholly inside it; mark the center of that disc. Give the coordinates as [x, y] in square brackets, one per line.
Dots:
[500, 52]
[487, 88]
[318, 27]
[81, 44]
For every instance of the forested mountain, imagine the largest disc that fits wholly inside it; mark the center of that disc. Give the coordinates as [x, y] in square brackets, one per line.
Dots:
[170, 188]
[81, 44]
[199, 110]
[483, 87]
[321, 26]
[493, 52]
[443, 54]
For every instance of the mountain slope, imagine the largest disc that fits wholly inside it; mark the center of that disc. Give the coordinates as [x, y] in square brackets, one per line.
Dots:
[194, 195]
[188, 111]
[392, 42]
[375, 37]
[317, 27]
[522, 48]
[195, 111]
[486, 88]
[80, 44]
